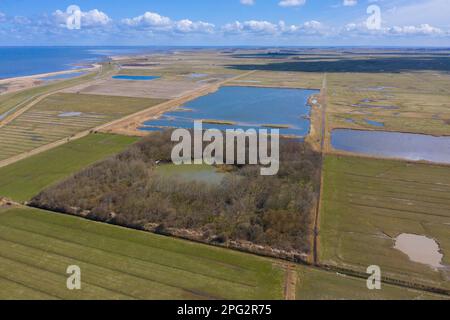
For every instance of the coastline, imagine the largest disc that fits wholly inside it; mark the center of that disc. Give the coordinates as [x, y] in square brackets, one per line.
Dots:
[83, 59]
[27, 81]
[15, 84]
[92, 67]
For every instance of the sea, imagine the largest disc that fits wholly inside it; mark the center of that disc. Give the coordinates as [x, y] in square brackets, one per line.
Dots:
[25, 61]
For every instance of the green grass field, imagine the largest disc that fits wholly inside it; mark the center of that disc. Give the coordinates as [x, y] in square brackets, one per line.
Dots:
[62, 115]
[24, 179]
[316, 284]
[368, 202]
[15, 100]
[36, 247]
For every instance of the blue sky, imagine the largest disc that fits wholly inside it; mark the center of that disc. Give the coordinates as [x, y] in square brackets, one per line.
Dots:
[225, 22]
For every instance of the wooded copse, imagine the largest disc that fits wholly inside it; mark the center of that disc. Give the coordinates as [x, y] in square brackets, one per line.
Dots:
[126, 190]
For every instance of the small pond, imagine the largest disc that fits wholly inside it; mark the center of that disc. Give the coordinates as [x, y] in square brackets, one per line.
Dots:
[197, 75]
[135, 78]
[420, 249]
[69, 114]
[374, 123]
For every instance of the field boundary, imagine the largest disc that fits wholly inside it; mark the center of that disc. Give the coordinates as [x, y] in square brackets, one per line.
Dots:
[384, 279]
[321, 161]
[290, 282]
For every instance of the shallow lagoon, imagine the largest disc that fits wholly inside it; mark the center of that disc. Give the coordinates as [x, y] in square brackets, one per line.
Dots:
[244, 108]
[393, 144]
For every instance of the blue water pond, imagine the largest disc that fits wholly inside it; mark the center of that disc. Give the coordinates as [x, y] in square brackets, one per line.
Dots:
[245, 108]
[135, 78]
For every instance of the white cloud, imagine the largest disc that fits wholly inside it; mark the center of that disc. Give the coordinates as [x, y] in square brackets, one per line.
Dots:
[291, 3]
[423, 29]
[411, 30]
[149, 19]
[251, 26]
[268, 28]
[187, 25]
[350, 3]
[419, 12]
[156, 22]
[248, 2]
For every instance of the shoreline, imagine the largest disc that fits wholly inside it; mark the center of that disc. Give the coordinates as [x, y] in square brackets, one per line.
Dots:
[38, 76]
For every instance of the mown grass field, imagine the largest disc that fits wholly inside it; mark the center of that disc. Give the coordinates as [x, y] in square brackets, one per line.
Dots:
[22, 180]
[60, 116]
[367, 203]
[36, 247]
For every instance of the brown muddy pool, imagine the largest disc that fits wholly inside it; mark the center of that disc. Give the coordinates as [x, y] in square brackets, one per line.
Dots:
[420, 249]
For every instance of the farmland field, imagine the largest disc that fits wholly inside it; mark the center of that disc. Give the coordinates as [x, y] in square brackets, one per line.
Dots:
[367, 203]
[36, 247]
[406, 102]
[62, 115]
[22, 180]
[15, 100]
[316, 284]
[281, 79]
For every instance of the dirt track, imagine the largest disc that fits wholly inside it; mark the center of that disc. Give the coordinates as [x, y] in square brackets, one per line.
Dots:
[322, 152]
[290, 282]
